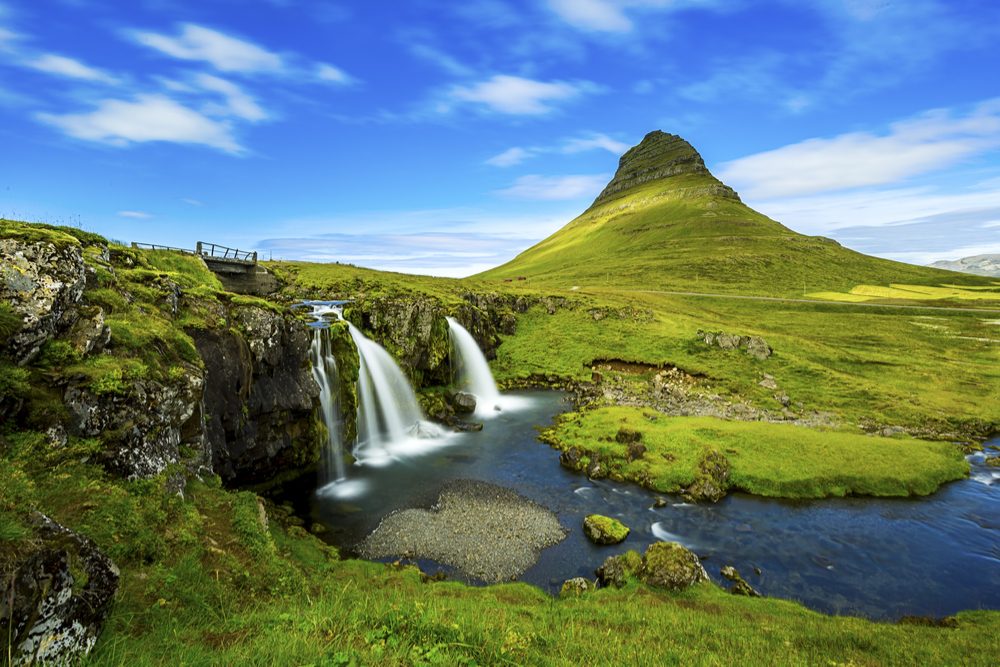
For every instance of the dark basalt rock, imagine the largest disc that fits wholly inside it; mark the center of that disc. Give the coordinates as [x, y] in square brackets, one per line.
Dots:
[49, 616]
[463, 402]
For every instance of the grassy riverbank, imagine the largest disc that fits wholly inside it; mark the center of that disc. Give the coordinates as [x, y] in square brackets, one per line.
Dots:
[777, 460]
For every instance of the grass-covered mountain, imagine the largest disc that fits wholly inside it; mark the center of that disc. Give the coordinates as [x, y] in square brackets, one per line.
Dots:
[665, 222]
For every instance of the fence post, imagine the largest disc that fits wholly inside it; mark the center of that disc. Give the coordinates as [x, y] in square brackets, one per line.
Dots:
[197, 249]
[254, 256]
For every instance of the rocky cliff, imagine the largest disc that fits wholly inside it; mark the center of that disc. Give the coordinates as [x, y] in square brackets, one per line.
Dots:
[981, 265]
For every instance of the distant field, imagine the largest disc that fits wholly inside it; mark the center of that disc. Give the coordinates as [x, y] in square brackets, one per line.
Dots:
[862, 293]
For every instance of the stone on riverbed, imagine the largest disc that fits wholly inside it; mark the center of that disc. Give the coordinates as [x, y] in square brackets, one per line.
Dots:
[485, 531]
[670, 565]
[604, 530]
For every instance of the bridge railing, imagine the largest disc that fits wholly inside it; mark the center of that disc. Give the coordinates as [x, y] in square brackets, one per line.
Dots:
[216, 251]
[156, 246]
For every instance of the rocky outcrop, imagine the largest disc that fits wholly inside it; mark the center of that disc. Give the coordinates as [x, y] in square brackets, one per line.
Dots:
[143, 422]
[42, 281]
[711, 479]
[740, 586]
[755, 346]
[982, 265]
[616, 570]
[259, 395]
[56, 598]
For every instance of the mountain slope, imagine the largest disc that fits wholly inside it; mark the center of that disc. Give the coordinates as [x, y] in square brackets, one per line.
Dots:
[981, 265]
[665, 222]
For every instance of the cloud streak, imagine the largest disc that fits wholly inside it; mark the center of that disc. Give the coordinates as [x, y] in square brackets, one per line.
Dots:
[58, 65]
[223, 52]
[930, 142]
[518, 96]
[556, 188]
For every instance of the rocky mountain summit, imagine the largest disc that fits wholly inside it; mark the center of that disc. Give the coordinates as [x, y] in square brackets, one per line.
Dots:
[981, 265]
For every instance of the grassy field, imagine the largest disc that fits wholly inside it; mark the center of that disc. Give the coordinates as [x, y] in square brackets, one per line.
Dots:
[765, 459]
[205, 582]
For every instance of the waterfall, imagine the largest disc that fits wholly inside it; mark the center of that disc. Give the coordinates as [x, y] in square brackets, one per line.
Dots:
[474, 372]
[324, 368]
[388, 412]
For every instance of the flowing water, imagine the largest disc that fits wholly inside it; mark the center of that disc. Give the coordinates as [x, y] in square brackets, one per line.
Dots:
[324, 368]
[881, 558]
[474, 373]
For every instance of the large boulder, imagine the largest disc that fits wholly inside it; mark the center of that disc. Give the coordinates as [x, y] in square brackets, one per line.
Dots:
[42, 281]
[712, 479]
[670, 565]
[601, 529]
[616, 570]
[49, 612]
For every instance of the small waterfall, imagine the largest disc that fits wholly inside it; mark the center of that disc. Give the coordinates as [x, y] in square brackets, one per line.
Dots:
[474, 371]
[324, 368]
[388, 412]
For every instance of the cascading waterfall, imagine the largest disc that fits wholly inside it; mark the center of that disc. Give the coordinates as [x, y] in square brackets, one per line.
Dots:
[324, 368]
[474, 371]
[388, 412]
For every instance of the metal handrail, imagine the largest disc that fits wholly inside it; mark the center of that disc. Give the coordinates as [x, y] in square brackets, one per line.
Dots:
[216, 251]
[156, 246]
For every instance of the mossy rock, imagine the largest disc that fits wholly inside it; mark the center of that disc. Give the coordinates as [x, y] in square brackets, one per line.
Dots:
[601, 529]
[616, 570]
[576, 587]
[993, 461]
[712, 479]
[670, 565]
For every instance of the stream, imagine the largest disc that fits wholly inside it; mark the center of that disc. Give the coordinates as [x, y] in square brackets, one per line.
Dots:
[879, 558]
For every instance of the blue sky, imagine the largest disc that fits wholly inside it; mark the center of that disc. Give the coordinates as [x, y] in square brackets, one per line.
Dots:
[444, 137]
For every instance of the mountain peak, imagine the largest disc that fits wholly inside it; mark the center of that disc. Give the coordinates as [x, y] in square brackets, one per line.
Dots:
[659, 156]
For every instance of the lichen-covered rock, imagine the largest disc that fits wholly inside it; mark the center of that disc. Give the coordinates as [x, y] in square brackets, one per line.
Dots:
[49, 616]
[601, 529]
[740, 586]
[42, 282]
[616, 570]
[755, 346]
[670, 565]
[712, 479]
[89, 333]
[576, 587]
[143, 422]
[260, 395]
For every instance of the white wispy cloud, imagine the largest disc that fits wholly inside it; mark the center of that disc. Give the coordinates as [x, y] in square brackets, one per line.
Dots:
[224, 52]
[612, 16]
[145, 118]
[592, 141]
[135, 215]
[510, 157]
[556, 188]
[331, 74]
[237, 102]
[517, 95]
[192, 202]
[930, 142]
[58, 65]
[440, 59]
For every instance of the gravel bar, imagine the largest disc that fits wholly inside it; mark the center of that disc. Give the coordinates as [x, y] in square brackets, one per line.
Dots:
[488, 532]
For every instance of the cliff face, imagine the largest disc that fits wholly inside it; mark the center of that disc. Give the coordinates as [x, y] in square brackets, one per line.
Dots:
[145, 354]
[980, 265]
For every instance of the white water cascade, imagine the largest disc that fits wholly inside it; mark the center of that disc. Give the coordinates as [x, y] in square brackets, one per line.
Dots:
[389, 417]
[474, 371]
[324, 368]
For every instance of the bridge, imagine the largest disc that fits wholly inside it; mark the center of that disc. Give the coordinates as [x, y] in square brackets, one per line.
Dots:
[219, 258]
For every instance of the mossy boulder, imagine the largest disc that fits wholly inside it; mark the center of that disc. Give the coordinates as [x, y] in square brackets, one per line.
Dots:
[712, 479]
[670, 565]
[601, 529]
[993, 461]
[740, 586]
[576, 587]
[616, 570]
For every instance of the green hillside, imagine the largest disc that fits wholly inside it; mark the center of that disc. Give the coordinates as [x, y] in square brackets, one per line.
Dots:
[665, 222]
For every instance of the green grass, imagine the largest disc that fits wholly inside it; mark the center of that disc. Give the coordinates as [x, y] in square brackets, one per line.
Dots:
[204, 581]
[777, 460]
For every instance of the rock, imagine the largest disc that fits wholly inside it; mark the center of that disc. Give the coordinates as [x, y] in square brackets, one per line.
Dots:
[259, 396]
[576, 587]
[467, 427]
[570, 458]
[90, 333]
[660, 502]
[464, 402]
[755, 346]
[669, 565]
[604, 530]
[616, 570]
[740, 586]
[712, 479]
[49, 616]
[992, 461]
[635, 450]
[627, 435]
[768, 382]
[42, 282]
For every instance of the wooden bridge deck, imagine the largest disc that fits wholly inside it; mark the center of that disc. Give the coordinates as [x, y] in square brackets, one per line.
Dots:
[219, 258]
